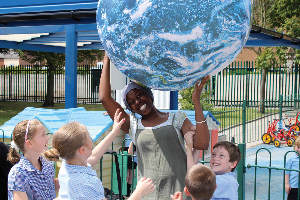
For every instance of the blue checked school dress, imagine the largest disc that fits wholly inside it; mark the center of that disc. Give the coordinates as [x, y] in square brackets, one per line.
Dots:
[38, 185]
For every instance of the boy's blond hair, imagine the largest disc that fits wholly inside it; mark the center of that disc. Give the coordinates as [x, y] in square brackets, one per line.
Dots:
[200, 181]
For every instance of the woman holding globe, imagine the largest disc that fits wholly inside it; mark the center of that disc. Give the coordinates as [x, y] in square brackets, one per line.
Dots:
[158, 136]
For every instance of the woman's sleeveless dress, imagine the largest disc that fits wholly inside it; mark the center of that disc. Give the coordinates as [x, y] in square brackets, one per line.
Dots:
[161, 155]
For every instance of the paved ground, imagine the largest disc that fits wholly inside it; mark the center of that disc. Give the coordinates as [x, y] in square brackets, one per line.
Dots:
[262, 177]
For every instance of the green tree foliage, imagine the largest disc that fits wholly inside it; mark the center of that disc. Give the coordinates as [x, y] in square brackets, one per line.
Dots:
[282, 10]
[186, 99]
[281, 16]
[89, 57]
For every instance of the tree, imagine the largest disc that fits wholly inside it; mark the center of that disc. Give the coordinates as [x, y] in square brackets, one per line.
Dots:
[281, 17]
[266, 60]
[88, 57]
[4, 51]
[186, 99]
[54, 61]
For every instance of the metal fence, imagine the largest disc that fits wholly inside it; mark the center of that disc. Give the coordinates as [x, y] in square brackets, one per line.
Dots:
[270, 172]
[241, 81]
[238, 82]
[29, 83]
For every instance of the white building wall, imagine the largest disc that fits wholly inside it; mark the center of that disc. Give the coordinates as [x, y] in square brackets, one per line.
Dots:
[11, 62]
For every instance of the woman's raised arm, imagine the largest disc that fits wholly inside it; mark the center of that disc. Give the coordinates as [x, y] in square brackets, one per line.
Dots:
[105, 95]
[201, 138]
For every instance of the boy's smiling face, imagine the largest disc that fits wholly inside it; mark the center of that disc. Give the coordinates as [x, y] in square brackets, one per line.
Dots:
[219, 161]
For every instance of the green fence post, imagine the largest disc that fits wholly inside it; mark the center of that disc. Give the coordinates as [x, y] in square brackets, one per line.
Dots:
[280, 106]
[241, 170]
[247, 83]
[244, 121]
[296, 85]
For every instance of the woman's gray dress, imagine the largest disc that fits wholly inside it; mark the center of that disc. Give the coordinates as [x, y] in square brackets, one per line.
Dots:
[161, 155]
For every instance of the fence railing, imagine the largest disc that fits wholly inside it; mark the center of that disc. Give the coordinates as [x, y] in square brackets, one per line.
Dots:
[270, 172]
[242, 81]
[238, 82]
[29, 83]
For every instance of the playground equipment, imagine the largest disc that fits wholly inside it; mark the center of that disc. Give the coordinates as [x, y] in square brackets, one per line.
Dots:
[295, 128]
[277, 135]
[278, 132]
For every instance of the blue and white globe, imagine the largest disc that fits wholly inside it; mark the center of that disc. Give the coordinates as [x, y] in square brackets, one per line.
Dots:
[170, 44]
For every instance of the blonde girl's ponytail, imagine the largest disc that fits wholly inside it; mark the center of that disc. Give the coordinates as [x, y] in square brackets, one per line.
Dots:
[52, 155]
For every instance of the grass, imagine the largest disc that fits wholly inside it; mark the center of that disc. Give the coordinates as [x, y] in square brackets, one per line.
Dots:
[10, 109]
[231, 116]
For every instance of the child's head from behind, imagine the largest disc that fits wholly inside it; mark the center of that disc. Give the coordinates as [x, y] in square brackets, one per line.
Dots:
[200, 182]
[297, 145]
[225, 157]
[69, 140]
[28, 135]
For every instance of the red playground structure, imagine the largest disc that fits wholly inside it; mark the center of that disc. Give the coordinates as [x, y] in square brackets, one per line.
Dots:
[279, 133]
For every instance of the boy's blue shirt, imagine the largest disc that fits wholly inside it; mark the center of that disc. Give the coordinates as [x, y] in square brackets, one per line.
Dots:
[227, 187]
[293, 163]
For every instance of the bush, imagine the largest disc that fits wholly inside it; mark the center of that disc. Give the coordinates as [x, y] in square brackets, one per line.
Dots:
[186, 99]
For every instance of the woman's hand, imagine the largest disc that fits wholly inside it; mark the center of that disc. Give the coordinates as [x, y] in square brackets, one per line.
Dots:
[106, 58]
[198, 89]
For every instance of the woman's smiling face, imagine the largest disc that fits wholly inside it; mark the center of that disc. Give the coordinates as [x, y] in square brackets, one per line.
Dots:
[139, 102]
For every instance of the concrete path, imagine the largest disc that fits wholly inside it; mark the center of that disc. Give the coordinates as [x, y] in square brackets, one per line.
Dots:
[263, 175]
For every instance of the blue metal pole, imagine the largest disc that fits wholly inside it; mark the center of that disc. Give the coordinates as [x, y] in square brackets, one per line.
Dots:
[173, 100]
[71, 67]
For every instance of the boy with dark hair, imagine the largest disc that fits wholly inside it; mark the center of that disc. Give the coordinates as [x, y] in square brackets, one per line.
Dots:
[200, 183]
[223, 161]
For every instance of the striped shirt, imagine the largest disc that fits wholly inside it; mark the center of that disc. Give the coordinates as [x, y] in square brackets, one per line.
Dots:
[79, 183]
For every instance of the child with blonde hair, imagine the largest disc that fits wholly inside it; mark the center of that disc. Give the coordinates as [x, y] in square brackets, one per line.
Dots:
[32, 176]
[77, 179]
[291, 177]
[200, 183]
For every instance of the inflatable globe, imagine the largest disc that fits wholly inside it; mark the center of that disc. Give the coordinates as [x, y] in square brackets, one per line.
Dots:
[170, 44]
